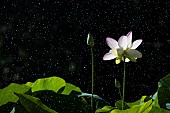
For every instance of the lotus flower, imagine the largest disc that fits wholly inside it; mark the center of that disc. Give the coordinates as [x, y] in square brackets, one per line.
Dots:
[123, 48]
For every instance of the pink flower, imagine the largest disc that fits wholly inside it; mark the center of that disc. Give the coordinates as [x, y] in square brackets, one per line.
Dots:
[123, 48]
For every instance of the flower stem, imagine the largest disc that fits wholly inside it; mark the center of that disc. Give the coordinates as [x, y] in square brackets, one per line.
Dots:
[92, 85]
[124, 75]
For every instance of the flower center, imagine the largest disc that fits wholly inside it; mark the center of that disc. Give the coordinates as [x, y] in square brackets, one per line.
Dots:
[115, 52]
[127, 49]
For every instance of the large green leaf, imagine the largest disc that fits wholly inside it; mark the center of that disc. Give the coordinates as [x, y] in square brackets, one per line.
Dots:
[131, 104]
[134, 103]
[69, 88]
[144, 108]
[29, 84]
[64, 103]
[158, 110]
[51, 83]
[7, 94]
[119, 105]
[104, 109]
[33, 104]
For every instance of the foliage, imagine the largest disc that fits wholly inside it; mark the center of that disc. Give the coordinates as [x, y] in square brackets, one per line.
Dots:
[45, 95]
[158, 103]
[54, 95]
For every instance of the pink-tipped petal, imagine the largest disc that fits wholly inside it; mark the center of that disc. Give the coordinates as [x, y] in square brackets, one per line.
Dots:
[109, 56]
[112, 43]
[129, 39]
[136, 43]
[123, 42]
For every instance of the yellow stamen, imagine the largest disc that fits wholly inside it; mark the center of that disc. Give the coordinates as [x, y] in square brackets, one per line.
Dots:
[115, 52]
[118, 61]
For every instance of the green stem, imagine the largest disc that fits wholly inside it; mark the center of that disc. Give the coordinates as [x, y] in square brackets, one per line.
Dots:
[124, 75]
[92, 85]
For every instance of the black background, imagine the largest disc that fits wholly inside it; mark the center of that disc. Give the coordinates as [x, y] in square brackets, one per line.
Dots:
[46, 38]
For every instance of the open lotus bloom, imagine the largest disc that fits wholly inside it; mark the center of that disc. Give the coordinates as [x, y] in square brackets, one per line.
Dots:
[124, 48]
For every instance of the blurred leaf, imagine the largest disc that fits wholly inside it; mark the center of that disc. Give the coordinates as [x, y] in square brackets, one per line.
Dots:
[33, 104]
[168, 105]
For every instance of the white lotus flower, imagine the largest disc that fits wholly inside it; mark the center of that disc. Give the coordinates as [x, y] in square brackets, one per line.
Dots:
[124, 47]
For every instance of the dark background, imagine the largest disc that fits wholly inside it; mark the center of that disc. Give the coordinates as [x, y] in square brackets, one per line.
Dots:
[46, 38]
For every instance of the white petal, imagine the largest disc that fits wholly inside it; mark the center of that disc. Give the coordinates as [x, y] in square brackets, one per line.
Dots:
[136, 43]
[129, 39]
[112, 43]
[123, 42]
[109, 56]
[127, 60]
